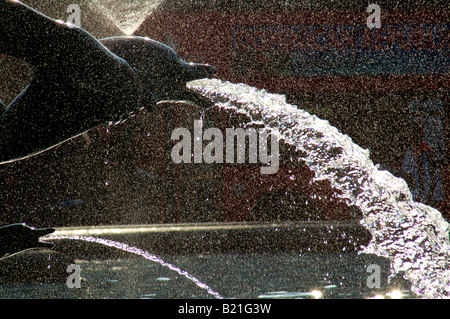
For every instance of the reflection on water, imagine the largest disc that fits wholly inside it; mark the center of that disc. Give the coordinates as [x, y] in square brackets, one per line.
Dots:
[413, 236]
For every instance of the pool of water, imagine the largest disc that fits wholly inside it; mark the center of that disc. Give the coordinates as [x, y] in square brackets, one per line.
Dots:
[235, 275]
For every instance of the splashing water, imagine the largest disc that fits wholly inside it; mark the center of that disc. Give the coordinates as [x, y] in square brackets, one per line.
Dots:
[127, 15]
[412, 235]
[140, 252]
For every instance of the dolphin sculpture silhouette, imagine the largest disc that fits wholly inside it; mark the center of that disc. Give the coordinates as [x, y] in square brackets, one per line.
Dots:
[159, 67]
[17, 237]
[79, 83]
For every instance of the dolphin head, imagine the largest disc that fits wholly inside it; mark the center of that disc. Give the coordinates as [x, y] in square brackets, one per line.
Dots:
[197, 71]
[18, 237]
[158, 65]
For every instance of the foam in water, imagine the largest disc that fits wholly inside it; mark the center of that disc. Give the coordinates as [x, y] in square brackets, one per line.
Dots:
[412, 235]
[140, 252]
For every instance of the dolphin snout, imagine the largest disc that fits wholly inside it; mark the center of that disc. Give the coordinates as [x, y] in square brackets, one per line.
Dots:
[43, 231]
[196, 71]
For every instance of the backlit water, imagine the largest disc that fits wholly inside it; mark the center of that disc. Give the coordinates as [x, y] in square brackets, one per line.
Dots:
[127, 15]
[413, 236]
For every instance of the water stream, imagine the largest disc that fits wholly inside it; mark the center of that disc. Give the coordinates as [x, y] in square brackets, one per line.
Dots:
[140, 252]
[413, 236]
[127, 15]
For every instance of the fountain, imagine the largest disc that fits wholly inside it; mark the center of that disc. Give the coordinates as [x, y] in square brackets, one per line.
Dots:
[413, 236]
